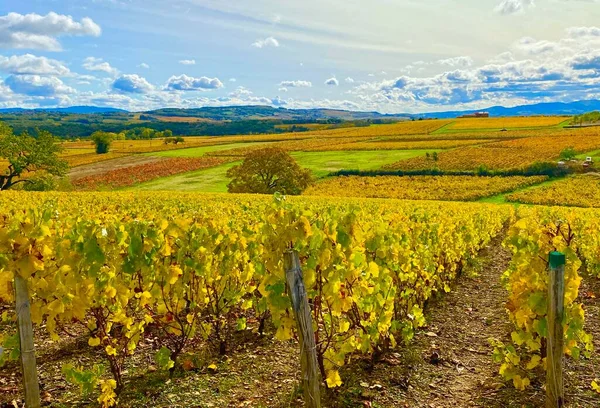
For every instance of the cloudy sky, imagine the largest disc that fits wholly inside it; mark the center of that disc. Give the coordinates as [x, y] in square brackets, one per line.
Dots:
[386, 55]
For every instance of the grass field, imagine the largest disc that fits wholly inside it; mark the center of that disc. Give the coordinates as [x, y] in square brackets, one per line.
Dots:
[501, 198]
[527, 140]
[214, 180]
[595, 155]
[323, 163]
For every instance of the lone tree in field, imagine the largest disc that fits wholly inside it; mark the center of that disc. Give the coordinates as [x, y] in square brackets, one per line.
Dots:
[26, 155]
[103, 140]
[267, 171]
[568, 154]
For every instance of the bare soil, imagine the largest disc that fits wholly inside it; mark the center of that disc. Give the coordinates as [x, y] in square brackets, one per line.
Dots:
[448, 364]
[108, 165]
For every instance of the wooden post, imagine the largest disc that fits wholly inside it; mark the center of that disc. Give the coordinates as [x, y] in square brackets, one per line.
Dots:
[555, 393]
[306, 335]
[25, 327]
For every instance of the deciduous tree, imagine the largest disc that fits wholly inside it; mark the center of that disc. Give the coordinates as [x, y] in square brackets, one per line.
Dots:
[568, 153]
[103, 141]
[269, 170]
[26, 154]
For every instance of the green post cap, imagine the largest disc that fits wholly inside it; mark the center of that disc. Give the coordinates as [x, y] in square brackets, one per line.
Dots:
[556, 259]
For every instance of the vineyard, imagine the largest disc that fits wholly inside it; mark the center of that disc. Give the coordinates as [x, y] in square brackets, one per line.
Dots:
[447, 188]
[176, 276]
[508, 123]
[415, 292]
[581, 191]
[131, 175]
[513, 154]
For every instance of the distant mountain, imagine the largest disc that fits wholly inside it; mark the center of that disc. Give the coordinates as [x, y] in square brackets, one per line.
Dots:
[260, 112]
[72, 109]
[547, 108]
[234, 113]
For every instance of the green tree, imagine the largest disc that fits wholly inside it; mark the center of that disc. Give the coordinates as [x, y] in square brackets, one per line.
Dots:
[147, 133]
[26, 155]
[103, 140]
[269, 170]
[568, 153]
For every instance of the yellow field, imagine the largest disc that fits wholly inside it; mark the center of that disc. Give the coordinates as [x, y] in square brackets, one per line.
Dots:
[500, 123]
[446, 188]
[580, 191]
[399, 145]
[76, 151]
[480, 142]
[512, 154]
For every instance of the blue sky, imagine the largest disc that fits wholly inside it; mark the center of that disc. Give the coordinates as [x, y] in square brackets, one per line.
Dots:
[386, 55]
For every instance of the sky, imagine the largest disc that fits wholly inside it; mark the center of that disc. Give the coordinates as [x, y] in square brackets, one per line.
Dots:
[390, 56]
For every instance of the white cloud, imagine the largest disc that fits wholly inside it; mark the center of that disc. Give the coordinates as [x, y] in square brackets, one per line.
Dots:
[349, 80]
[187, 62]
[282, 89]
[32, 65]
[507, 7]
[187, 83]
[97, 64]
[502, 58]
[240, 93]
[232, 80]
[33, 31]
[295, 84]
[37, 85]
[457, 62]
[580, 32]
[267, 42]
[144, 65]
[132, 83]
[332, 82]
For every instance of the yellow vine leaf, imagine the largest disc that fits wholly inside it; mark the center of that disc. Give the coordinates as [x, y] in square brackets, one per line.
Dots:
[94, 341]
[344, 326]
[333, 379]
[520, 383]
[174, 273]
[535, 361]
[107, 397]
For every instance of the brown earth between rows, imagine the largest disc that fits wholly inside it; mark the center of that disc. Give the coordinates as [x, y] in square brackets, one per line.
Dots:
[113, 164]
[447, 365]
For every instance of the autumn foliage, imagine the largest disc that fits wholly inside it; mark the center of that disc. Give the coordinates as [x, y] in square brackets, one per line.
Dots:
[145, 172]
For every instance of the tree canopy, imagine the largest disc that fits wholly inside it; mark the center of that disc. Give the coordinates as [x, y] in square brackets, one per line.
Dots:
[26, 154]
[267, 171]
[568, 153]
[103, 140]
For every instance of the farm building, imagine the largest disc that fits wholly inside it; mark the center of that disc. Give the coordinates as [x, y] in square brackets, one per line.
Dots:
[475, 115]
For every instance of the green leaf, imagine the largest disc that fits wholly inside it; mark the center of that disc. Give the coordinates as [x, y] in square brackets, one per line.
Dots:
[163, 358]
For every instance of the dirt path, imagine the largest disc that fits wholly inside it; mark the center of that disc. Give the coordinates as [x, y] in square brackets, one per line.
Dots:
[449, 363]
[114, 164]
[456, 367]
